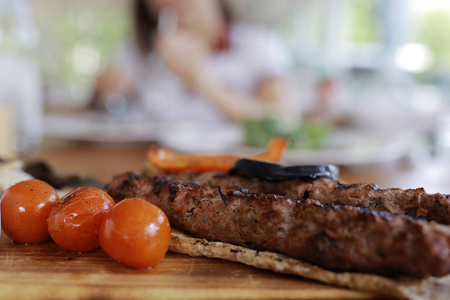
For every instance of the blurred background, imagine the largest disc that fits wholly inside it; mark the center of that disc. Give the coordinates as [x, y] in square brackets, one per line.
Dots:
[371, 78]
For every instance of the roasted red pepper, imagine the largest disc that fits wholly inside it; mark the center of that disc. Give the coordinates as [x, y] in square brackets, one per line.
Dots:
[173, 161]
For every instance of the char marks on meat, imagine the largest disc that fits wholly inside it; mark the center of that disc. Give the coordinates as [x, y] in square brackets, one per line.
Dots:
[341, 238]
[411, 202]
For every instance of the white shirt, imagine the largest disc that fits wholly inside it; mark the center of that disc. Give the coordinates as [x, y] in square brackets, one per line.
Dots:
[255, 54]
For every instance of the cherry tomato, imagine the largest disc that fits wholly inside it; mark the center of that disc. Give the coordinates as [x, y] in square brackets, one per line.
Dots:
[136, 232]
[24, 210]
[75, 221]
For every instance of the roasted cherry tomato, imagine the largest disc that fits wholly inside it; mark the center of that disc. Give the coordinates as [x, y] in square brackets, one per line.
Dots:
[136, 232]
[24, 210]
[75, 221]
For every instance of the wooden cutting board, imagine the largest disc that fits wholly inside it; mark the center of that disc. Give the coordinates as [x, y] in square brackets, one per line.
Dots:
[47, 271]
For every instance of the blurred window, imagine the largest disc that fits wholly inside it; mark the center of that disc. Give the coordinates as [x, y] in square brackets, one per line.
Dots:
[363, 21]
[78, 38]
[432, 30]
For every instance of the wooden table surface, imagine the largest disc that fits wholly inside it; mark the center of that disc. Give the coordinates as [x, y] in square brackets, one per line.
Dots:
[47, 271]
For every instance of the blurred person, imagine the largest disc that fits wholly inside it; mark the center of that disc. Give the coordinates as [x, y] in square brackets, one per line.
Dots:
[190, 60]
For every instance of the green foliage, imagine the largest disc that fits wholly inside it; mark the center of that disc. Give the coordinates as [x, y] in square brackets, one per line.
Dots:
[435, 34]
[363, 21]
[302, 135]
[65, 28]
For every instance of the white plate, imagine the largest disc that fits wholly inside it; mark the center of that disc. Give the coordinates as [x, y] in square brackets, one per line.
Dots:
[345, 148]
[187, 136]
[375, 152]
[198, 138]
[102, 127]
[349, 148]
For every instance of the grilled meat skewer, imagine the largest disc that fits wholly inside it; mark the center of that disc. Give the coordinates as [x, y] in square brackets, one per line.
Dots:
[340, 238]
[415, 203]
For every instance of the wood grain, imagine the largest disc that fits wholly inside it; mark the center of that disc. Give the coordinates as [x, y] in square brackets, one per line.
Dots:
[46, 271]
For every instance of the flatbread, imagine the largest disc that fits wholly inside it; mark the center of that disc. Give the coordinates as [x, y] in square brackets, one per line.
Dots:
[430, 288]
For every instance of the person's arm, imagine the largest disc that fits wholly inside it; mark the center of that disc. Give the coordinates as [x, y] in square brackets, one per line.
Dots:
[110, 82]
[185, 56]
[118, 79]
[113, 81]
[269, 98]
